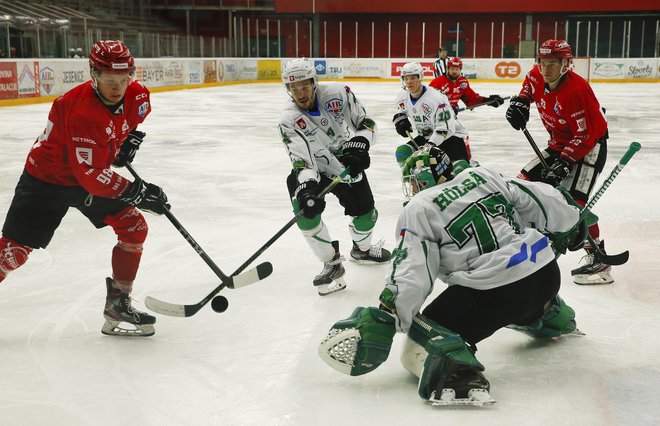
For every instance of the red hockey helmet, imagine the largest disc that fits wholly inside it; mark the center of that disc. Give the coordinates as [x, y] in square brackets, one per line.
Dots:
[111, 56]
[455, 62]
[555, 49]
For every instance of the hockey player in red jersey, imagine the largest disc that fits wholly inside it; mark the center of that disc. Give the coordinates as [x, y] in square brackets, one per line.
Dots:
[577, 149]
[89, 129]
[457, 88]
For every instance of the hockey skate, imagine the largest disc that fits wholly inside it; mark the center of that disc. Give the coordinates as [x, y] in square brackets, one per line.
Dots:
[593, 271]
[463, 386]
[331, 278]
[374, 256]
[118, 311]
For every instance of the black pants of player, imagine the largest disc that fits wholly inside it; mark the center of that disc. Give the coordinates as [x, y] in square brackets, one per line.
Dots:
[477, 314]
[38, 207]
[356, 198]
[585, 174]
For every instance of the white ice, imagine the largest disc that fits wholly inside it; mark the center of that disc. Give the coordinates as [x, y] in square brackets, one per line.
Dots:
[217, 154]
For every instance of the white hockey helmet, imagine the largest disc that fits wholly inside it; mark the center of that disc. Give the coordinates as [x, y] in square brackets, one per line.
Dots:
[412, 68]
[300, 69]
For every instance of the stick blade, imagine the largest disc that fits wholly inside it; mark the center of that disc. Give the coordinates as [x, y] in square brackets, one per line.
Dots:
[251, 276]
[165, 308]
[613, 259]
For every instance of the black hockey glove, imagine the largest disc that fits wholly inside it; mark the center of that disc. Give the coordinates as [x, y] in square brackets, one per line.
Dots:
[558, 171]
[572, 240]
[146, 196]
[306, 195]
[402, 124]
[494, 100]
[129, 148]
[420, 142]
[355, 154]
[518, 112]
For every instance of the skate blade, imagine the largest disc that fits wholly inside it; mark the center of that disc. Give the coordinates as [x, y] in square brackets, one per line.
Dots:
[337, 285]
[595, 279]
[368, 262]
[476, 397]
[118, 328]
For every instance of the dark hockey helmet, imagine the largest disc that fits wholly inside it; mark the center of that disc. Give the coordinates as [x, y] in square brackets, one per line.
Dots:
[426, 167]
[455, 62]
[111, 56]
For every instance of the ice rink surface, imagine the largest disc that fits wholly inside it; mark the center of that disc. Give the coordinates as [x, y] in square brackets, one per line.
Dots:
[217, 154]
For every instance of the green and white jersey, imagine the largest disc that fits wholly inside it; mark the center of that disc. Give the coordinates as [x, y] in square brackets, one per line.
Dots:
[314, 139]
[478, 230]
[431, 115]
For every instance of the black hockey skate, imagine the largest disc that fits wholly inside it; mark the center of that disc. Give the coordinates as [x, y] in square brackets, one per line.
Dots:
[375, 255]
[118, 309]
[463, 386]
[331, 280]
[593, 271]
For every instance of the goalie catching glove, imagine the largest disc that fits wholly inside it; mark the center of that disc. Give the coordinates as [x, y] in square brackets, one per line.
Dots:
[360, 343]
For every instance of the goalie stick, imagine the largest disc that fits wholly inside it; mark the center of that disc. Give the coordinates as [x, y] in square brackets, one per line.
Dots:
[253, 275]
[470, 108]
[179, 310]
[608, 259]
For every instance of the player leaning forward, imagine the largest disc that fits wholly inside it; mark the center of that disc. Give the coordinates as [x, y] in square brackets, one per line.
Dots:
[325, 128]
[577, 149]
[483, 236]
[90, 128]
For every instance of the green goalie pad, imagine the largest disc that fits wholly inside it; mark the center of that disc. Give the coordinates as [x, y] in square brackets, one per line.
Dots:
[360, 343]
[448, 356]
[558, 319]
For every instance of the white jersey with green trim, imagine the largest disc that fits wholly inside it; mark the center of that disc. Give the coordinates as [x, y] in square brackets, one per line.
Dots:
[314, 139]
[479, 230]
[431, 114]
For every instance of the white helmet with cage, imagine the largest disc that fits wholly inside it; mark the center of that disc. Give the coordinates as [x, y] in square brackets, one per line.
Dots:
[299, 69]
[412, 68]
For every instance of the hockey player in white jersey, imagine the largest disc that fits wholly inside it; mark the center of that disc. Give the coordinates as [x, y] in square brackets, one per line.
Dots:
[325, 129]
[489, 239]
[433, 118]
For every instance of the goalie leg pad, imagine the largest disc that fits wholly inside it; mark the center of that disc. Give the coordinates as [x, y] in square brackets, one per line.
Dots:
[360, 343]
[558, 319]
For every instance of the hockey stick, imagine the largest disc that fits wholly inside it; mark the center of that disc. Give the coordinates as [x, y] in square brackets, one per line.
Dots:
[253, 275]
[470, 108]
[178, 310]
[611, 259]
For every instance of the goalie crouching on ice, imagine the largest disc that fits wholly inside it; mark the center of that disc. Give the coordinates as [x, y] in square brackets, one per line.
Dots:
[491, 240]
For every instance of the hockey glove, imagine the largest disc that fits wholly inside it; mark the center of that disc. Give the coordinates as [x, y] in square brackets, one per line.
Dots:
[306, 195]
[360, 343]
[402, 124]
[518, 112]
[558, 171]
[129, 148]
[146, 196]
[494, 100]
[355, 154]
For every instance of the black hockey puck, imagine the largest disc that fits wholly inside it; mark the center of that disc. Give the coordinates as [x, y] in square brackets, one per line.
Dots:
[219, 304]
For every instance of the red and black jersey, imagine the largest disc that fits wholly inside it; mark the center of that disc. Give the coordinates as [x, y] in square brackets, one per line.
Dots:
[457, 90]
[570, 113]
[82, 138]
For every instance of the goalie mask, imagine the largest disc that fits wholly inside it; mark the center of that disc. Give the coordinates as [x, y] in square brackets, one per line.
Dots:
[426, 167]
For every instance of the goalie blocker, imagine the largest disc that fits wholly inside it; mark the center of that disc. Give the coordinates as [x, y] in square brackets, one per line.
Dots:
[448, 371]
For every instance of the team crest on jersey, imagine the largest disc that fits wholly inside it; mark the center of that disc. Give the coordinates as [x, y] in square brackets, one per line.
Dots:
[463, 85]
[581, 124]
[402, 106]
[333, 106]
[84, 155]
[143, 108]
[324, 121]
[557, 108]
[426, 108]
[301, 123]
